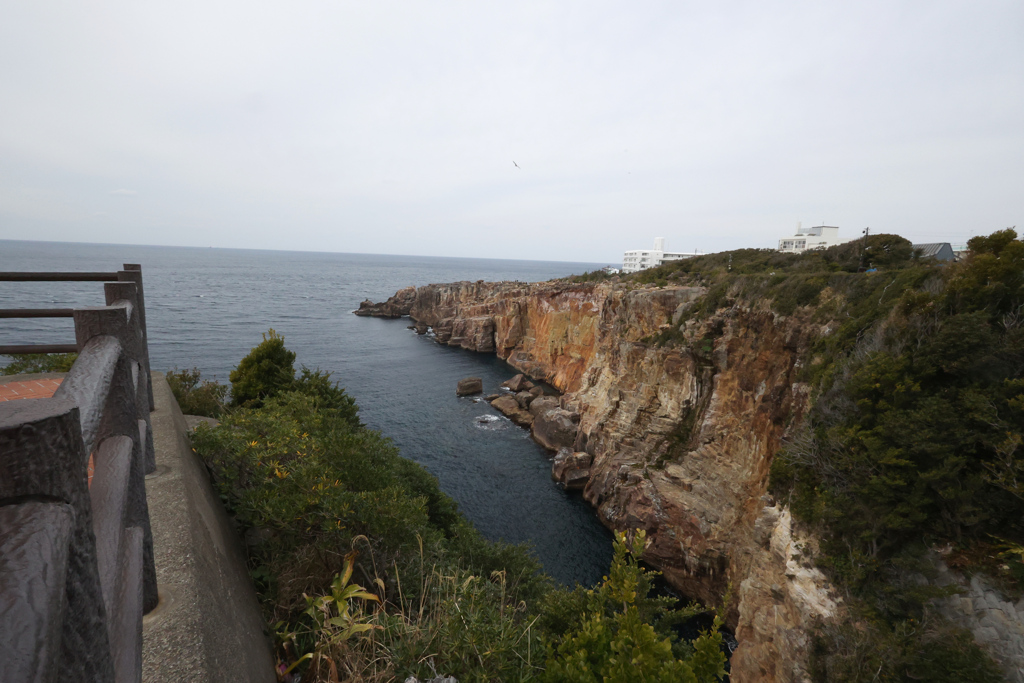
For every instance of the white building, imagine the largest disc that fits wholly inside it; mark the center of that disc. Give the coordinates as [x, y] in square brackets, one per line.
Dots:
[642, 259]
[818, 237]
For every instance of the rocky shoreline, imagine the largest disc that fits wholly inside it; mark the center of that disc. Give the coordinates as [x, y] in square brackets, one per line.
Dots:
[675, 438]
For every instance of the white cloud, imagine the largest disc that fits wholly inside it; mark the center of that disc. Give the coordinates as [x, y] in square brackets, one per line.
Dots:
[391, 126]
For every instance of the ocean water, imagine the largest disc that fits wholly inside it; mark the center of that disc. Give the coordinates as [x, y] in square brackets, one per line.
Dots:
[207, 308]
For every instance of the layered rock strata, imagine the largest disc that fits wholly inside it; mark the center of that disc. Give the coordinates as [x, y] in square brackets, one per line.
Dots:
[676, 418]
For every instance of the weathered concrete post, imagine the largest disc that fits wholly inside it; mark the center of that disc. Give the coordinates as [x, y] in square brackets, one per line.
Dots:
[43, 483]
[120, 414]
[133, 273]
[136, 349]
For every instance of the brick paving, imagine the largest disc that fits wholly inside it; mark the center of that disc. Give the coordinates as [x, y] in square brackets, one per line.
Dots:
[33, 388]
[36, 388]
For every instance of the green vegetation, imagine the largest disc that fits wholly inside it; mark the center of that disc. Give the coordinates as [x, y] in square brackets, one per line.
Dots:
[622, 636]
[876, 251]
[912, 443]
[39, 362]
[268, 370]
[195, 395]
[913, 440]
[590, 276]
[369, 572]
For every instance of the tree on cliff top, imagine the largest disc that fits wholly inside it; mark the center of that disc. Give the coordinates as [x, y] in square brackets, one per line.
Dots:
[268, 370]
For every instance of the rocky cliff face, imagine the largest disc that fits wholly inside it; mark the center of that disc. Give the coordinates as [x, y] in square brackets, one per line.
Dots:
[680, 417]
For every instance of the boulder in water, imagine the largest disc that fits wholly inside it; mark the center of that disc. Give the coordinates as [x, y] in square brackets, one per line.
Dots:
[469, 386]
[510, 407]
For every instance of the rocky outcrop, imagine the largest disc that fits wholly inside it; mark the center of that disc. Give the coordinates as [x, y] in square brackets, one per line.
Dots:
[509, 406]
[395, 307]
[524, 399]
[469, 386]
[556, 428]
[995, 619]
[572, 469]
[680, 417]
[543, 404]
[517, 383]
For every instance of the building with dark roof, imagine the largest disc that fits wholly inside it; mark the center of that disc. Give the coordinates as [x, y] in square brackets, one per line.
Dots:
[940, 251]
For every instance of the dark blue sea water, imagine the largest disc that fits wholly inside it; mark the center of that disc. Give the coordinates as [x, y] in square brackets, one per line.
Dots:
[206, 308]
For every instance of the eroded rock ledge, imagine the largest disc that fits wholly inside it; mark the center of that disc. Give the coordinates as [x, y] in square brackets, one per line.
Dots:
[678, 418]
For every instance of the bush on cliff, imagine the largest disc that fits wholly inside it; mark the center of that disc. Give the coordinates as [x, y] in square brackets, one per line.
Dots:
[913, 442]
[268, 370]
[613, 640]
[195, 395]
[327, 505]
[914, 436]
[905, 652]
[23, 363]
[887, 252]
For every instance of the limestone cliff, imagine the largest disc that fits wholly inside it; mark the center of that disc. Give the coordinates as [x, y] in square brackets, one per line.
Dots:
[681, 416]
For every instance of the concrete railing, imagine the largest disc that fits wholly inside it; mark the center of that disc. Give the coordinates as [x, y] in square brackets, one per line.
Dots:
[76, 556]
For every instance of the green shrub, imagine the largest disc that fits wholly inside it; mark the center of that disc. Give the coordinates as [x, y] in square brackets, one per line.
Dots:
[268, 370]
[326, 394]
[913, 440]
[909, 651]
[615, 641]
[324, 502]
[196, 396]
[25, 363]
[591, 276]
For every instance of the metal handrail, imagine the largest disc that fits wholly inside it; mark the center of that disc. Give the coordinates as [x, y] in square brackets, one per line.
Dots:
[14, 349]
[37, 313]
[44, 276]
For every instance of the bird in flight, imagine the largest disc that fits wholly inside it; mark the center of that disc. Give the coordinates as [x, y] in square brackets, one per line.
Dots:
[516, 165]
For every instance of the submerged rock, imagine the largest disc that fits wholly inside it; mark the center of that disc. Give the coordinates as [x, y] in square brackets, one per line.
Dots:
[469, 386]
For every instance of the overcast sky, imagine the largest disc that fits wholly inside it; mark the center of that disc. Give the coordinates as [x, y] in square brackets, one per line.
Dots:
[392, 127]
